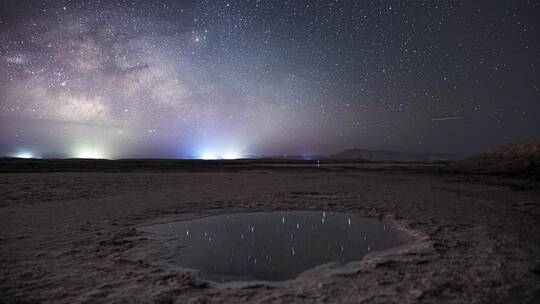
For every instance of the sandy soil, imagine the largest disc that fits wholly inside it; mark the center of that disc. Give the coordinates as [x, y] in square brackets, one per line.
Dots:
[70, 237]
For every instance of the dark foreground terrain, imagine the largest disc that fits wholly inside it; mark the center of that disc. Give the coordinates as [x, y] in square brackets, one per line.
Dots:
[69, 237]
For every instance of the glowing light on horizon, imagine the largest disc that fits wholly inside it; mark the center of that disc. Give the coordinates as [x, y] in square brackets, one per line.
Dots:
[207, 155]
[25, 154]
[232, 155]
[211, 155]
[89, 152]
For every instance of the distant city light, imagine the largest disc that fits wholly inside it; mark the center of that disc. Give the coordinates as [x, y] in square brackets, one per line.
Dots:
[232, 155]
[208, 156]
[212, 155]
[89, 152]
[25, 154]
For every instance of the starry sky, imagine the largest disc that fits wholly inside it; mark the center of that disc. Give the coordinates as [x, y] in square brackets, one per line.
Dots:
[226, 79]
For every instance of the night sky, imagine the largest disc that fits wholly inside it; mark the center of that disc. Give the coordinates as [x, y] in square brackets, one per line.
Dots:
[224, 79]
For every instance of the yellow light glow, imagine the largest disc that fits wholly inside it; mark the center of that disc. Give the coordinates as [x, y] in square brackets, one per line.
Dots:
[89, 152]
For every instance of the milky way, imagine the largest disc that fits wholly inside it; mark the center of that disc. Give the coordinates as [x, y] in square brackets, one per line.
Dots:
[237, 78]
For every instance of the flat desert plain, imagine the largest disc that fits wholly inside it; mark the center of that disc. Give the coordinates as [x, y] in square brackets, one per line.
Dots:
[72, 237]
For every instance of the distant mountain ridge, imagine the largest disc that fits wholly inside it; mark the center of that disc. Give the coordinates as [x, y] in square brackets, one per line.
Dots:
[383, 155]
[290, 157]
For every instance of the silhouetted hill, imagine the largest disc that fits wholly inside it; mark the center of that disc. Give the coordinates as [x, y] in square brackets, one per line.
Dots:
[381, 155]
[513, 159]
[292, 157]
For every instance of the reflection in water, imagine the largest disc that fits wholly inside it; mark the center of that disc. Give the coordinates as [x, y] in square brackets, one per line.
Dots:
[271, 245]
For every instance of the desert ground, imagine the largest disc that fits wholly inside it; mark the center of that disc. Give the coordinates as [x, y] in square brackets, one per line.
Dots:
[70, 236]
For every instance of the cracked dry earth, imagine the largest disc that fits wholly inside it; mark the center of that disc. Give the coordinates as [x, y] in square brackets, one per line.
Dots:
[70, 237]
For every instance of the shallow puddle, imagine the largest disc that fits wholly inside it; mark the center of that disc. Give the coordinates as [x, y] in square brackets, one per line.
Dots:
[270, 246]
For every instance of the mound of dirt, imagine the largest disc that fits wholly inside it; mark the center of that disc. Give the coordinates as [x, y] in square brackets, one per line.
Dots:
[512, 159]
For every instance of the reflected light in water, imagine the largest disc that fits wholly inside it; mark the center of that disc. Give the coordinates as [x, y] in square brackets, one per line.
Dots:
[270, 245]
